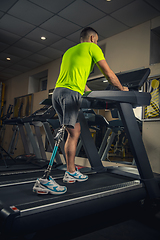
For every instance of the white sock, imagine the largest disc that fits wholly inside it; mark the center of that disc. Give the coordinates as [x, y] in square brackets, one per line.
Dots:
[74, 171]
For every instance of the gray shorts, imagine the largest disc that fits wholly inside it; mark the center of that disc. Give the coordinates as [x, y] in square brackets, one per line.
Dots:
[67, 104]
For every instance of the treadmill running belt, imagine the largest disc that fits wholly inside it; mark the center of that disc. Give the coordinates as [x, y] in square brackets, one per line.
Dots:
[23, 197]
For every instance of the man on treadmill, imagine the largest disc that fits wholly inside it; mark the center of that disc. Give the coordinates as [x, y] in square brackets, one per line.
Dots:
[77, 63]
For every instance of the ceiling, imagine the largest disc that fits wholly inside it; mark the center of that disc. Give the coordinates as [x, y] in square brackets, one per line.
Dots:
[23, 22]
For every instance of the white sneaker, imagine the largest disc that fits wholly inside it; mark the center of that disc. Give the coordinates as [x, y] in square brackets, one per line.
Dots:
[45, 186]
[73, 177]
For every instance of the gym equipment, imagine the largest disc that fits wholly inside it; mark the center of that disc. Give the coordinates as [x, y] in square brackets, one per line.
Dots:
[95, 122]
[2, 126]
[4, 154]
[17, 127]
[44, 117]
[34, 149]
[106, 189]
[102, 191]
[134, 80]
[113, 128]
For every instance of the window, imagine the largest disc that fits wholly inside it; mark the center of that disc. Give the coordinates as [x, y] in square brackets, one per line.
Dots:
[43, 84]
[38, 82]
[155, 46]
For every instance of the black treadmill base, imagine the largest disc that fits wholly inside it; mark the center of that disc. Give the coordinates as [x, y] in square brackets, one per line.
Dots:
[103, 191]
[126, 222]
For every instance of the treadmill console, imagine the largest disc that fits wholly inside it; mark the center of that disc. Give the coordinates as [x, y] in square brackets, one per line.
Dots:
[133, 80]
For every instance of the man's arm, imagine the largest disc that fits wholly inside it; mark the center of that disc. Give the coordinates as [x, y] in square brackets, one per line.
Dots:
[110, 76]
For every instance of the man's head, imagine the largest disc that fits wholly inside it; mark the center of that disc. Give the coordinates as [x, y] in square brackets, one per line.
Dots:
[88, 34]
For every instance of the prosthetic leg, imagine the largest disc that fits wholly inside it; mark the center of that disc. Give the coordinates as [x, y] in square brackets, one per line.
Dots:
[46, 184]
[58, 138]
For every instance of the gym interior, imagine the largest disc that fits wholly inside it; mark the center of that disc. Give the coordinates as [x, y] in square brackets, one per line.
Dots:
[119, 144]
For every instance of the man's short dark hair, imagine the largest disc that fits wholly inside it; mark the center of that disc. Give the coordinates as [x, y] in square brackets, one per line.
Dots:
[86, 32]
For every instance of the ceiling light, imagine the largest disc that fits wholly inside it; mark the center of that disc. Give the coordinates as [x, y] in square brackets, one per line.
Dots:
[8, 59]
[108, 0]
[43, 38]
[105, 80]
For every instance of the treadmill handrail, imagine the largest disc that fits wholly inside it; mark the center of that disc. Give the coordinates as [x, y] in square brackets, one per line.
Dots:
[133, 97]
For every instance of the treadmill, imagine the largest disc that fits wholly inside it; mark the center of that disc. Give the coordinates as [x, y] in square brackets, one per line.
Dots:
[34, 158]
[23, 212]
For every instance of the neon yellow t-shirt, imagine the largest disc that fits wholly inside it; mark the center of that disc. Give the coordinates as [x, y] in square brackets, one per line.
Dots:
[77, 63]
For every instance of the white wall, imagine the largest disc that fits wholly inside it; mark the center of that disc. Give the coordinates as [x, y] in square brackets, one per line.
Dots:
[130, 49]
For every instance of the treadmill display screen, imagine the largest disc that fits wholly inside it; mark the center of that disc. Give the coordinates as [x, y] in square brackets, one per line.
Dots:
[133, 80]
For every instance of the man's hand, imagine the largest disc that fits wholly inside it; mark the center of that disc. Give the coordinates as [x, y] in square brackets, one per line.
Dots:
[125, 89]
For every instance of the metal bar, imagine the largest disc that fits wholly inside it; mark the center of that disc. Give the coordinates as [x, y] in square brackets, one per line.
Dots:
[78, 147]
[138, 149]
[40, 142]
[33, 141]
[23, 138]
[88, 144]
[103, 158]
[104, 142]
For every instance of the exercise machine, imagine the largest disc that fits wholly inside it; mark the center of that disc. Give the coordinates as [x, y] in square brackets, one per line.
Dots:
[105, 189]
